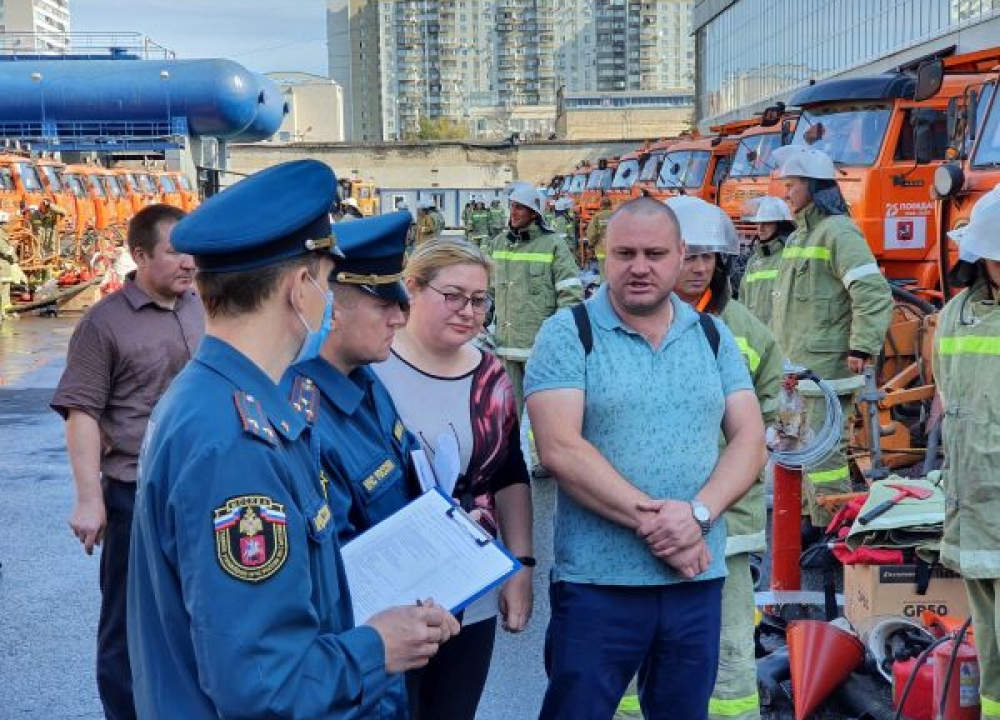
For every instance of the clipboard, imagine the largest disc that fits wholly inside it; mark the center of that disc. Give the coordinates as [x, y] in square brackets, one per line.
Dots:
[431, 548]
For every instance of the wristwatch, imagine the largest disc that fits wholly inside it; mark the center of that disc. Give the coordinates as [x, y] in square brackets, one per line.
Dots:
[702, 515]
[527, 561]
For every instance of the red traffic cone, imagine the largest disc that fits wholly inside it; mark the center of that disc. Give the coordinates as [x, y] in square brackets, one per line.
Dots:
[822, 656]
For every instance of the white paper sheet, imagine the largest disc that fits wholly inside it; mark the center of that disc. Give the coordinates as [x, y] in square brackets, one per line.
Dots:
[429, 549]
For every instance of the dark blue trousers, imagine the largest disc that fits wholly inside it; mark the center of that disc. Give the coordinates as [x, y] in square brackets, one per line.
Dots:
[114, 674]
[600, 636]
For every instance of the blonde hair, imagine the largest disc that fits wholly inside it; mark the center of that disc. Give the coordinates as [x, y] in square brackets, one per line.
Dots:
[433, 256]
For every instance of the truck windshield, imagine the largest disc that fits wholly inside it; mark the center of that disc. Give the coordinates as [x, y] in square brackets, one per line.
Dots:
[52, 177]
[753, 155]
[627, 174]
[29, 177]
[600, 179]
[850, 134]
[683, 168]
[651, 169]
[74, 185]
[988, 150]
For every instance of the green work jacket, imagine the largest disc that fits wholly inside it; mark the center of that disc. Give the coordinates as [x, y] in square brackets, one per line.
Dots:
[534, 275]
[830, 296]
[967, 371]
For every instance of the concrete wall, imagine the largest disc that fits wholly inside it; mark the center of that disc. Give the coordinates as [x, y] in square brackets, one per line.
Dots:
[435, 165]
[615, 123]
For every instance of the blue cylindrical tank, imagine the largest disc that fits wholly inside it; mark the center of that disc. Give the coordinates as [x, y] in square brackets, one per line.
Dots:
[219, 98]
[271, 110]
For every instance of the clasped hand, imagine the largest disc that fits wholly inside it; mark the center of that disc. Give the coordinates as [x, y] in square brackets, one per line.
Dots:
[673, 536]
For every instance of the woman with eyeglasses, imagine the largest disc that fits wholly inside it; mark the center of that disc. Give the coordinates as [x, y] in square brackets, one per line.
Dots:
[450, 393]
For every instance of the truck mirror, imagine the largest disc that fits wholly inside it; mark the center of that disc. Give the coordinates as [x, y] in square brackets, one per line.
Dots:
[786, 132]
[772, 115]
[951, 118]
[971, 113]
[922, 121]
[929, 77]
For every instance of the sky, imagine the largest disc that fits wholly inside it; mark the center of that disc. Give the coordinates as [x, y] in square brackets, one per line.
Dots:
[261, 35]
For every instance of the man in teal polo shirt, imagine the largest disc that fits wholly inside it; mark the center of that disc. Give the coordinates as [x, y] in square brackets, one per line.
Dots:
[630, 432]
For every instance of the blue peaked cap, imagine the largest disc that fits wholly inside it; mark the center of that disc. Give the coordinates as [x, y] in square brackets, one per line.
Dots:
[374, 253]
[273, 215]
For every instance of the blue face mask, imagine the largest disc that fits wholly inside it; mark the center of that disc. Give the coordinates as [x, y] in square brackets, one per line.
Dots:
[314, 339]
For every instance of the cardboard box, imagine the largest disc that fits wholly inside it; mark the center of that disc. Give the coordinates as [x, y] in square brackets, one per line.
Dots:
[871, 590]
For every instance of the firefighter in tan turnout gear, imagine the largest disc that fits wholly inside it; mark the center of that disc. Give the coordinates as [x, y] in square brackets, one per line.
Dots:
[774, 225]
[967, 370]
[832, 305]
[535, 276]
[710, 239]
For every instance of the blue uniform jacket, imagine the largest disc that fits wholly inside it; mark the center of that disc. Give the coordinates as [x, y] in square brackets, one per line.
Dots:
[364, 445]
[238, 604]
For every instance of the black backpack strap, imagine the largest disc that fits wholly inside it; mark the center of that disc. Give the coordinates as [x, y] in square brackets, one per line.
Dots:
[582, 319]
[711, 331]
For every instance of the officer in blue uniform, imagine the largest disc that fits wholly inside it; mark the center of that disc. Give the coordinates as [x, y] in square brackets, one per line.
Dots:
[365, 447]
[238, 604]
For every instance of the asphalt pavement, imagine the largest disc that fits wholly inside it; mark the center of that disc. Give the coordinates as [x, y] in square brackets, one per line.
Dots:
[49, 597]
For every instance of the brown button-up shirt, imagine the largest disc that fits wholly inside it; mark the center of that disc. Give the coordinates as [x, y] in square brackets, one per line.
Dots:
[123, 354]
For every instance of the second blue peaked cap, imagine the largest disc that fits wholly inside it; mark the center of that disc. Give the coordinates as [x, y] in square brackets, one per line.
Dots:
[374, 254]
[273, 215]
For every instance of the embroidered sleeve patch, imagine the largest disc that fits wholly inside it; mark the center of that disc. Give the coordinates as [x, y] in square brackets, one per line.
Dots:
[250, 539]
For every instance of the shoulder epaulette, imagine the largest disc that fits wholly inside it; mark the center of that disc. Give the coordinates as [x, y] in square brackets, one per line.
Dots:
[305, 398]
[254, 418]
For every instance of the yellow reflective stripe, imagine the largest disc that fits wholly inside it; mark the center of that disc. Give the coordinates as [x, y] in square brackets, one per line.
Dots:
[753, 358]
[734, 707]
[989, 706]
[600, 255]
[760, 275]
[522, 256]
[809, 253]
[829, 476]
[629, 704]
[970, 345]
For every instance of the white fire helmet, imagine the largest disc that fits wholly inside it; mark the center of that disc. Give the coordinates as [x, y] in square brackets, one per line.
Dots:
[525, 194]
[705, 228]
[805, 162]
[769, 209]
[980, 238]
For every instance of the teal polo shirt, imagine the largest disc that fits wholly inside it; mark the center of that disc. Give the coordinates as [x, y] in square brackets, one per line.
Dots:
[653, 413]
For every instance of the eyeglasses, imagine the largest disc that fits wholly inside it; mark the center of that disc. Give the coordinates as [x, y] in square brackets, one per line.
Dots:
[456, 302]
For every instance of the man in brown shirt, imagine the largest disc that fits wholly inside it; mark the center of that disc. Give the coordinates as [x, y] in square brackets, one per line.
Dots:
[123, 354]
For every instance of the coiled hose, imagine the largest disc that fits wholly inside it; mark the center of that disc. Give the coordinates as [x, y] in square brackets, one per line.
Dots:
[825, 439]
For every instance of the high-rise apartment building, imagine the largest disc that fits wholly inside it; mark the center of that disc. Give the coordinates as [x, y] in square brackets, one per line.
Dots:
[496, 66]
[35, 26]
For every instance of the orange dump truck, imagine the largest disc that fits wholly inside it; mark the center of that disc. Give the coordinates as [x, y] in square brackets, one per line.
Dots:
[884, 141]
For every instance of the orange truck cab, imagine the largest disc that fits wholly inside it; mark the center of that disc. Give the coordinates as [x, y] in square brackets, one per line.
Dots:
[972, 167]
[750, 171]
[883, 141]
[624, 185]
[117, 194]
[82, 207]
[363, 192]
[189, 194]
[51, 172]
[169, 190]
[598, 184]
[21, 186]
[130, 184]
[105, 210]
[695, 166]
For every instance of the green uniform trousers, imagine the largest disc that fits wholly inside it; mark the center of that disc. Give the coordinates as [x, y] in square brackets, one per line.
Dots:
[735, 694]
[831, 476]
[986, 623]
[515, 371]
